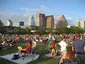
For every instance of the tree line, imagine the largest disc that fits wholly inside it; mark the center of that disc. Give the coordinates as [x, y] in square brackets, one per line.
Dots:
[38, 30]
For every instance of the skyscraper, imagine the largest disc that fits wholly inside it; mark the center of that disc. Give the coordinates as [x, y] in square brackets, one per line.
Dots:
[9, 22]
[40, 20]
[50, 21]
[1, 24]
[80, 23]
[31, 22]
[61, 22]
[21, 23]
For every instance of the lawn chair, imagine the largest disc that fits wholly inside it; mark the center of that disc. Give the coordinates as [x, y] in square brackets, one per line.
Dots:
[27, 53]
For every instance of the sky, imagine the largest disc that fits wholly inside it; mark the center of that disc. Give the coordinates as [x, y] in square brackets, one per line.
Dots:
[20, 10]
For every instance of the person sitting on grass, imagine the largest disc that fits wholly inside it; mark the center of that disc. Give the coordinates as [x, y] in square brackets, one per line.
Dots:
[4, 45]
[25, 50]
[52, 47]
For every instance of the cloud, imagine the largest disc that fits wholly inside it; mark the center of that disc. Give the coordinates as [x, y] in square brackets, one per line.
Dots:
[70, 21]
[26, 15]
[42, 9]
[16, 18]
[69, 18]
[35, 10]
[31, 10]
[46, 9]
[11, 14]
[1, 13]
[82, 17]
[74, 13]
[25, 9]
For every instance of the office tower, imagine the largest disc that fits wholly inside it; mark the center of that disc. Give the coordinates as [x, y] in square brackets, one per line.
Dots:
[21, 23]
[31, 22]
[61, 22]
[80, 23]
[40, 20]
[50, 21]
[1, 24]
[9, 22]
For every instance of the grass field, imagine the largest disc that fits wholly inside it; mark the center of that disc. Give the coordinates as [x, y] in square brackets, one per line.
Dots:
[41, 49]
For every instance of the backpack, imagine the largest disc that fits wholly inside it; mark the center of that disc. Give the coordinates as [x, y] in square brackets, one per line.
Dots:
[16, 56]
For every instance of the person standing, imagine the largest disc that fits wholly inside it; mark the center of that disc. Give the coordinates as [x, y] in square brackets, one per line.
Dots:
[79, 48]
[33, 46]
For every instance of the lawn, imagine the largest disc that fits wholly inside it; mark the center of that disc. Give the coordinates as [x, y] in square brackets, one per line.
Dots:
[41, 49]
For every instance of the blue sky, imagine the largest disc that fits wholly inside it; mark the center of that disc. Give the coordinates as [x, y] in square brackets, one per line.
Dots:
[19, 10]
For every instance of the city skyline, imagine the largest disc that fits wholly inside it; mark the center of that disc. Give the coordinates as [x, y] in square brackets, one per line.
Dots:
[20, 10]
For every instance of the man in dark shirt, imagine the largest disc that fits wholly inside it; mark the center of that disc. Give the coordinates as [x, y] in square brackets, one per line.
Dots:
[79, 49]
[79, 46]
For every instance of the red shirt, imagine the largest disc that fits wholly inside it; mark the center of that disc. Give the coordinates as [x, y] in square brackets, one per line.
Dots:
[28, 48]
[53, 45]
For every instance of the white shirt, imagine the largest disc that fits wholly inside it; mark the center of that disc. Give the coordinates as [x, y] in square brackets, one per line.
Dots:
[63, 45]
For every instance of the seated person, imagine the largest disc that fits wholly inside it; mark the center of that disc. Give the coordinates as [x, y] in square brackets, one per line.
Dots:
[4, 45]
[52, 47]
[25, 50]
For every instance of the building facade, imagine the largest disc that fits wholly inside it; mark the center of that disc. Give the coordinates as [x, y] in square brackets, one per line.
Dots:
[9, 22]
[21, 23]
[80, 23]
[40, 20]
[50, 22]
[1, 24]
[61, 22]
[31, 22]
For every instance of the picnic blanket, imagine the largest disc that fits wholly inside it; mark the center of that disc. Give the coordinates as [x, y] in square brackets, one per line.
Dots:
[48, 55]
[27, 59]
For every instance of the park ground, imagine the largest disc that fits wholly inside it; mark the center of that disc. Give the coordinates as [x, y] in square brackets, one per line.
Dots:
[41, 49]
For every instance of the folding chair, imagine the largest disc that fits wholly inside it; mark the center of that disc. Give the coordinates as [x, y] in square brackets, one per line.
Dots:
[25, 54]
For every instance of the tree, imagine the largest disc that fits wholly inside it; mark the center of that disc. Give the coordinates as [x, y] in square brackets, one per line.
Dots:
[41, 31]
[76, 30]
[27, 30]
[65, 30]
[48, 30]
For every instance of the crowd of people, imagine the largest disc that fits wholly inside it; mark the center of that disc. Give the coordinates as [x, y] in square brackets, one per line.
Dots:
[70, 46]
